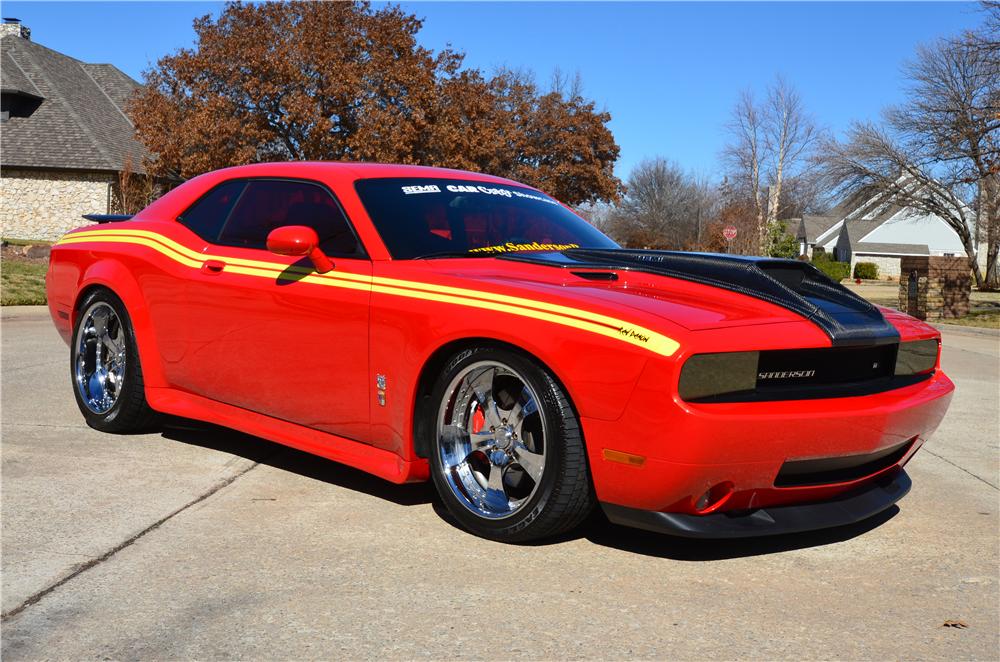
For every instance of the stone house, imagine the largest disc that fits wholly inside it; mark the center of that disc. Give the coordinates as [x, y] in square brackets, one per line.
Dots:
[871, 228]
[64, 137]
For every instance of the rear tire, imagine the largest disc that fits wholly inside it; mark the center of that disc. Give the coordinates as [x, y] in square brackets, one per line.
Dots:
[507, 453]
[104, 366]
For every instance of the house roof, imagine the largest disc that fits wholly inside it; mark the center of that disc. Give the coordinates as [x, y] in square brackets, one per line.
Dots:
[858, 216]
[80, 122]
[812, 226]
[13, 80]
[863, 247]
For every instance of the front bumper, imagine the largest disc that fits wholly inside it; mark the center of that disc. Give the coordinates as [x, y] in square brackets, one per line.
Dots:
[686, 450]
[848, 508]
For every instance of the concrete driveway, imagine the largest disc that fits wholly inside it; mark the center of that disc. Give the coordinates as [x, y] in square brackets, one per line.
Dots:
[196, 542]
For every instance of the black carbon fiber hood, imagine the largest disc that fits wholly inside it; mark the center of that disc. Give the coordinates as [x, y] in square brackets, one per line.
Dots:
[796, 286]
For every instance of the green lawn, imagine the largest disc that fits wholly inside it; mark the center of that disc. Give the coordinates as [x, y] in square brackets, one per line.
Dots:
[22, 282]
[986, 319]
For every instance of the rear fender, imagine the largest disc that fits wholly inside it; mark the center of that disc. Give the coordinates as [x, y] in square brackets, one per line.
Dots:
[113, 275]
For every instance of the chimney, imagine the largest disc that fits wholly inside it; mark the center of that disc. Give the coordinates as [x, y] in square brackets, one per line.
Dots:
[13, 26]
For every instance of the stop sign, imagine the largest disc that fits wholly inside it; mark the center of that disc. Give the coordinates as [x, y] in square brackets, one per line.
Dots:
[729, 232]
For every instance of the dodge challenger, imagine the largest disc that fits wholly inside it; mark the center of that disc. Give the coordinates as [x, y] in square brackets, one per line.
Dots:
[429, 324]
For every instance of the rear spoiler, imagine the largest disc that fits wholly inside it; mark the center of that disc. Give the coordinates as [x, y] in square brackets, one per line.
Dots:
[107, 218]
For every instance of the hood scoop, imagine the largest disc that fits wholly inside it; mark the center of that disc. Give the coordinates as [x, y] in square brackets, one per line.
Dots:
[598, 276]
[797, 286]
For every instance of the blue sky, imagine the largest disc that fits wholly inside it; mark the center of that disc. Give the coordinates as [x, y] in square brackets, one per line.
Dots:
[668, 72]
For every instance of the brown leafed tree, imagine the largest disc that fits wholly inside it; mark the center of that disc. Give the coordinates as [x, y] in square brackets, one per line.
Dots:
[344, 81]
[939, 152]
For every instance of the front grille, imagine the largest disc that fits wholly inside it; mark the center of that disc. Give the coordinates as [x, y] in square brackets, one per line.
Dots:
[827, 470]
[783, 372]
[806, 374]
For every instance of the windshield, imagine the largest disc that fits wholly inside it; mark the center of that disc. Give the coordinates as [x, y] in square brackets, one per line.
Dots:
[421, 218]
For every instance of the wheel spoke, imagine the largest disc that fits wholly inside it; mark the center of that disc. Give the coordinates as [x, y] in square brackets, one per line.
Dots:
[456, 435]
[100, 321]
[114, 345]
[528, 408]
[516, 415]
[532, 463]
[496, 495]
[482, 386]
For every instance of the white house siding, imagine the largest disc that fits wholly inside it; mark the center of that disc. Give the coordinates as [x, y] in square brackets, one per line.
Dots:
[888, 265]
[828, 239]
[910, 228]
[44, 204]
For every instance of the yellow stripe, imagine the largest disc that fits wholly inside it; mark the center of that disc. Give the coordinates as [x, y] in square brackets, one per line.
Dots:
[549, 312]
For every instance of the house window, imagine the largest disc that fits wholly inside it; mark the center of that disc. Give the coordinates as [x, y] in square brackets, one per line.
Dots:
[14, 104]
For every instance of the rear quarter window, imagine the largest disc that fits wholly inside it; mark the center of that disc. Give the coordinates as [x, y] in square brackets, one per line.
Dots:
[207, 216]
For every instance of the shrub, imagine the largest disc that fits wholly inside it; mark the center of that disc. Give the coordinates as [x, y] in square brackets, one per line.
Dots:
[866, 270]
[836, 271]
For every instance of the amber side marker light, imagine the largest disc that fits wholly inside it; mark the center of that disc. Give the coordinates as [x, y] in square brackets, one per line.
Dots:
[624, 458]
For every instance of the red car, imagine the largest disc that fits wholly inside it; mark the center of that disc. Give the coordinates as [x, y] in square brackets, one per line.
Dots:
[421, 323]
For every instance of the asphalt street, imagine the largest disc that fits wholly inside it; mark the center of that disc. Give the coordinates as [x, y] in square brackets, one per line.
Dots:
[197, 542]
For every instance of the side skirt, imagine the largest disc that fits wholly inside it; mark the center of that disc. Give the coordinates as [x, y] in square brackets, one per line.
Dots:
[381, 463]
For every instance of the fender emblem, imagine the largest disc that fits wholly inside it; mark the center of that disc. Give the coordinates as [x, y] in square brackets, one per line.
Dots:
[380, 389]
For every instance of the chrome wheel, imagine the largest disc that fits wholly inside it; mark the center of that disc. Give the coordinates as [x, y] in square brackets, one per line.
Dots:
[100, 357]
[491, 439]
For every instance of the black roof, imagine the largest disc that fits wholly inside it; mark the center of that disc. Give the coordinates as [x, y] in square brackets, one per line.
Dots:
[80, 123]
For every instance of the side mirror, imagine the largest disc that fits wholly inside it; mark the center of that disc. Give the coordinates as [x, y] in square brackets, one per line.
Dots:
[298, 241]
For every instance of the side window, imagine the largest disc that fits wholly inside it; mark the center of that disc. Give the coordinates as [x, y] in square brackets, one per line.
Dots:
[206, 216]
[269, 204]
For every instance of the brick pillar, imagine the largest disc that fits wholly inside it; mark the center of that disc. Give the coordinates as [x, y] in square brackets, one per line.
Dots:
[934, 287]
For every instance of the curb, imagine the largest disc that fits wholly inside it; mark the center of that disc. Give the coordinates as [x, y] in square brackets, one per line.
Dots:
[967, 330]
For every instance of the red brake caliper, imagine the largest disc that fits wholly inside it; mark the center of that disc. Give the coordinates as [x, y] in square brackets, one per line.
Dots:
[478, 421]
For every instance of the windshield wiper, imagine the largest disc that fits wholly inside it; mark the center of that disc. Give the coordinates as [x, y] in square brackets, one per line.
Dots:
[439, 254]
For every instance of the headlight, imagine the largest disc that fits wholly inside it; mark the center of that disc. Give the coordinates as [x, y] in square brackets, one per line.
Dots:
[918, 357]
[705, 375]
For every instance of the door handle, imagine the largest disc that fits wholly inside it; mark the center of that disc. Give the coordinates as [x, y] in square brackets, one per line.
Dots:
[213, 266]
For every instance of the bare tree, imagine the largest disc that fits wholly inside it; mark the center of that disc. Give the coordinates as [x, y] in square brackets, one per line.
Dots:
[744, 156]
[771, 142]
[789, 134]
[133, 190]
[663, 207]
[939, 152]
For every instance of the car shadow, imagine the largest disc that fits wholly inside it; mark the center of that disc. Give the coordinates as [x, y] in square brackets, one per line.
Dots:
[596, 529]
[288, 459]
[602, 532]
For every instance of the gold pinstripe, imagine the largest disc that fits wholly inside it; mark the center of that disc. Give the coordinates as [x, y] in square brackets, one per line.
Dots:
[540, 310]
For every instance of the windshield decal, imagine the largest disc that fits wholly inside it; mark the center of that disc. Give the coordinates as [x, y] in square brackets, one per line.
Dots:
[430, 188]
[511, 247]
[482, 190]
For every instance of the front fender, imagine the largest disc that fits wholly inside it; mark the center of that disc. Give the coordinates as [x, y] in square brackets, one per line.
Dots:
[597, 373]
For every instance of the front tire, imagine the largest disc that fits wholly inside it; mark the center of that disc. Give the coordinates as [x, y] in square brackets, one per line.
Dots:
[104, 366]
[508, 456]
